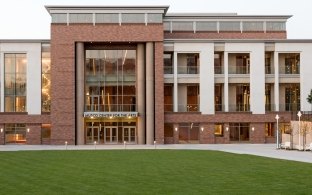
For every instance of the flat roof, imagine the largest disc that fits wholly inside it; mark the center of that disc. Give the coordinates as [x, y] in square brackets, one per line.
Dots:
[183, 40]
[223, 15]
[100, 7]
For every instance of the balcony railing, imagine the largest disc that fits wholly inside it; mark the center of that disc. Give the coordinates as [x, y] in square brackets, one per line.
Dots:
[269, 70]
[290, 69]
[233, 69]
[168, 70]
[289, 107]
[219, 107]
[239, 108]
[219, 70]
[188, 108]
[188, 69]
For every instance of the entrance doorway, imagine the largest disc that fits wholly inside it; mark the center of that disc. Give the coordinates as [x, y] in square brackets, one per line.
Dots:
[110, 132]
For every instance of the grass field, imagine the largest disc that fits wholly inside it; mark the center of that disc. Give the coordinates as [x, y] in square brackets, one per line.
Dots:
[149, 172]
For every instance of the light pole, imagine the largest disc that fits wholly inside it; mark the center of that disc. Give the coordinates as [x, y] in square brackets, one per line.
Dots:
[277, 138]
[299, 115]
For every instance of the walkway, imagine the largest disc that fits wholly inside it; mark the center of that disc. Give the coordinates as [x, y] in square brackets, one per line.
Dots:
[266, 150]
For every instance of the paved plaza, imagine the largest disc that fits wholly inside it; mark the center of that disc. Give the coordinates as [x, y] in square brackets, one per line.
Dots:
[266, 150]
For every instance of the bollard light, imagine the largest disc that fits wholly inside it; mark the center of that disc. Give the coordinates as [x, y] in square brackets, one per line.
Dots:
[277, 132]
[299, 115]
[155, 144]
[94, 144]
[66, 145]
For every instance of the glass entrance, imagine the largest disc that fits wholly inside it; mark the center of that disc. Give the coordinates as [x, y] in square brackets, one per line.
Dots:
[239, 132]
[129, 134]
[111, 135]
[93, 134]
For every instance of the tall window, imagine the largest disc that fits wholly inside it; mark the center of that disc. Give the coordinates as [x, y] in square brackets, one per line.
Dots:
[242, 97]
[193, 98]
[218, 97]
[46, 78]
[292, 97]
[218, 63]
[110, 80]
[168, 97]
[15, 82]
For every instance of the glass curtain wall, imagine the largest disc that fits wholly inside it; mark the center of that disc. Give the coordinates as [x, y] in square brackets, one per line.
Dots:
[46, 78]
[110, 77]
[15, 82]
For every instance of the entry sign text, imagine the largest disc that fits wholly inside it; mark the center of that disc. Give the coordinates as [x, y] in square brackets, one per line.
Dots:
[107, 115]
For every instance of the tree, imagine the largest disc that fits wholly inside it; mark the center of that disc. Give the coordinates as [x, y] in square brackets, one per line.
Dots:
[309, 98]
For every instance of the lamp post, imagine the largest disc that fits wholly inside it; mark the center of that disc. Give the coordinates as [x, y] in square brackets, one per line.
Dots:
[299, 115]
[277, 138]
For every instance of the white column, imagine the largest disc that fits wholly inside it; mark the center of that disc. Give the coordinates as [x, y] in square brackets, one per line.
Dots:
[80, 93]
[141, 93]
[206, 84]
[226, 82]
[150, 93]
[175, 82]
[257, 79]
[276, 81]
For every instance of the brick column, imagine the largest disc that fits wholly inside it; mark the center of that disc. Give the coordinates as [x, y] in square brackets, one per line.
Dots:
[2, 141]
[33, 137]
[159, 93]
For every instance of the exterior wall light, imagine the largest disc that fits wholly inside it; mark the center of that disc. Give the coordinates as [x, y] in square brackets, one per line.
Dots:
[28, 130]
[176, 129]
[202, 129]
[1, 130]
[227, 128]
[253, 129]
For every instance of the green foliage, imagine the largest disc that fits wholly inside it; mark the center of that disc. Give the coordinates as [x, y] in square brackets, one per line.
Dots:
[149, 172]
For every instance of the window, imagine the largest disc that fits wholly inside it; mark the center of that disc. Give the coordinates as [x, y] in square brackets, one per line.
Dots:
[292, 97]
[218, 97]
[268, 105]
[242, 97]
[45, 78]
[15, 82]
[292, 63]
[168, 68]
[15, 133]
[110, 77]
[168, 97]
[193, 98]
[168, 130]
[218, 130]
[46, 131]
[269, 129]
[218, 63]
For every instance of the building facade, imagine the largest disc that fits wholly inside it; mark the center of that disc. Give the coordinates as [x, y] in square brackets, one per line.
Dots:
[111, 75]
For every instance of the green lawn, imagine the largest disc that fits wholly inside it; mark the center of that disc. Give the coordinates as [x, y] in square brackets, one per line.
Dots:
[149, 172]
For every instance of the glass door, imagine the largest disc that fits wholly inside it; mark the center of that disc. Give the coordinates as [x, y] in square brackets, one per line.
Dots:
[92, 135]
[129, 134]
[111, 135]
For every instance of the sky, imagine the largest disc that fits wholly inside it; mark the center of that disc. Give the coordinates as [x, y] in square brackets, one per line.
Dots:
[28, 19]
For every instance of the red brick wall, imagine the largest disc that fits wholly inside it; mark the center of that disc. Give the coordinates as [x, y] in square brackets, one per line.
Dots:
[226, 35]
[32, 121]
[33, 137]
[63, 39]
[207, 122]
[159, 93]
